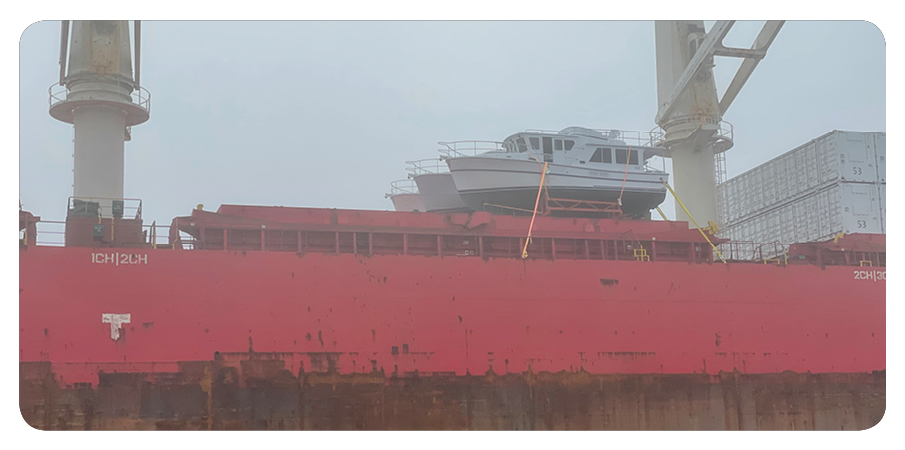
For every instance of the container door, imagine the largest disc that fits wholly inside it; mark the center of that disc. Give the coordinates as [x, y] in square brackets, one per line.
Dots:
[857, 157]
[860, 204]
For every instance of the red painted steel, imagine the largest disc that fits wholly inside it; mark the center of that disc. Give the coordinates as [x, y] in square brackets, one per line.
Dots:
[402, 313]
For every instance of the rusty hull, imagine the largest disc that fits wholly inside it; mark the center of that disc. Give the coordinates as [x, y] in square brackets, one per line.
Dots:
[258, 393]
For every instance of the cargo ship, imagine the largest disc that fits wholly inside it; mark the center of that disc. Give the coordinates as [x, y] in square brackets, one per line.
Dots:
[254, 317]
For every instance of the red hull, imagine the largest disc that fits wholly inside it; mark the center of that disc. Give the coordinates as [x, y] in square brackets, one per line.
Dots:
[448, 314]
[362, 312]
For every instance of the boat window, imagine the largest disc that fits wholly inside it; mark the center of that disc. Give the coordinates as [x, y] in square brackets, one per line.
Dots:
[548, 149]
[621, 154]
[522, 148]
[603, 155]
[569, 145]
[535, 143]
[557, 144]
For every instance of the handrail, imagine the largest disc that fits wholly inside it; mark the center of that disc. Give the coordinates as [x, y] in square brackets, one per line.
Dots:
[457, 149]
[753, 251]
[724, 130]
[630, 137]
[425, 166]
[402, 187]
[139, 96]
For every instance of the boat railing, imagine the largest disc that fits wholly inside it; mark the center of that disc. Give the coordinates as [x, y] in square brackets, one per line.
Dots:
[424, 166]
[633, 138]
[458, 149]
[399, 187]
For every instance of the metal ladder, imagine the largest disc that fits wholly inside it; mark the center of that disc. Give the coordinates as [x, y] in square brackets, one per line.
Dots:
[719, 177]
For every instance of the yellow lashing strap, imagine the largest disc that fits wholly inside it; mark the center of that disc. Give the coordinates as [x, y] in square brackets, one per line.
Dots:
[693, 221]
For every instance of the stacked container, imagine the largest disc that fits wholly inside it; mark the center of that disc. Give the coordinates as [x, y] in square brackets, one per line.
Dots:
[835, 183]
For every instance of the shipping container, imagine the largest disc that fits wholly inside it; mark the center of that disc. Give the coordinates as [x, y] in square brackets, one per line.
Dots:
[839, 208]
[836, 157]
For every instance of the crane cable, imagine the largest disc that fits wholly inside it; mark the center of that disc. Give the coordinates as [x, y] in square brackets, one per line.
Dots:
[543, 175]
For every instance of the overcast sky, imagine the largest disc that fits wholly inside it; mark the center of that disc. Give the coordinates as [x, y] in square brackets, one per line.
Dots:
[324, 114]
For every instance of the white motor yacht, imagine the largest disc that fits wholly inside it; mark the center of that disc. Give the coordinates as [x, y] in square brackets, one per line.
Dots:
[436, 186]
[582, 164]
[405, 196]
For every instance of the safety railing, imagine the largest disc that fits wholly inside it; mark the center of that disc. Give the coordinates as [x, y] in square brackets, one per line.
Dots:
[423, 166]
[142, 98]
[399, 187]
[139, 96]
[52, 233]
[103, 207]
[753, 252]
[457, 149]
[158, 236]
[723, 132]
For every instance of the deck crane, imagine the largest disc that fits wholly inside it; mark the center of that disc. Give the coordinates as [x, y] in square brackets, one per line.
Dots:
[690, 116]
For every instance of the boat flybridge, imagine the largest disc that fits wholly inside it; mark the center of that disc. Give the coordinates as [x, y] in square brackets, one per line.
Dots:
[581, 164]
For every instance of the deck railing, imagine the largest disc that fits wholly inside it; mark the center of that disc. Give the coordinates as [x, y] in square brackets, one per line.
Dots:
[425, 166]
[752, 251]
[52, 233]
[457, 149]
[633, 138]
[402, 187]
[58, 94]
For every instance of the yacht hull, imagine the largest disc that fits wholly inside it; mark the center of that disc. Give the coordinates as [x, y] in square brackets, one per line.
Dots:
[408, 202]
[438, 191]
[514, 183]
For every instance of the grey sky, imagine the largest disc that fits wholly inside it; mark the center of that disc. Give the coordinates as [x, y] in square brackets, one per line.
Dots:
[324, 114]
